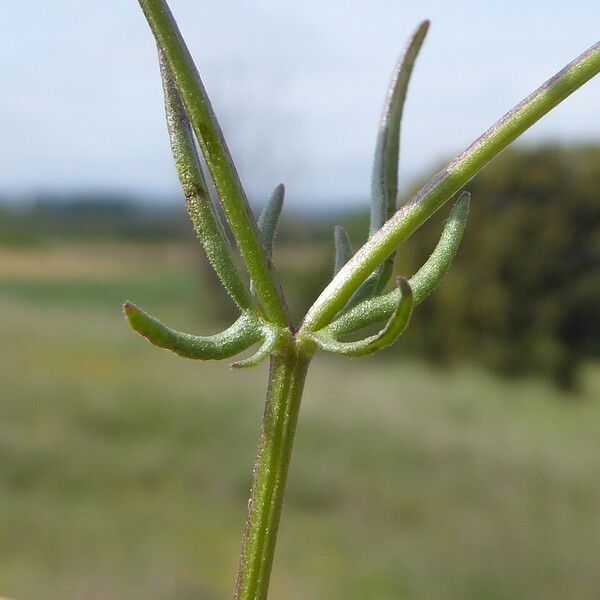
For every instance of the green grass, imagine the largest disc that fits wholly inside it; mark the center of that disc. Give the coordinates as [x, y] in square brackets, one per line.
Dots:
[124, 470]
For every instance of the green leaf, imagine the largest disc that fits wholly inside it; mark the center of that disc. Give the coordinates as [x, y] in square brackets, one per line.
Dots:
[247, 330]
[269, 218]
[343, 248]
[387, 336]
[384, 181]
[199, 205]
[268, 221]
[425, 280]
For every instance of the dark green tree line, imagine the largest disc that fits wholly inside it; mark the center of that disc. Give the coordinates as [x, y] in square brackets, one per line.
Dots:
[524, 292]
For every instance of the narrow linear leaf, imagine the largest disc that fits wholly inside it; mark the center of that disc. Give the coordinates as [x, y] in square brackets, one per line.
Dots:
[247, 330]
[425, 280]
[384, 180]
[343, 248]
[387, 336]
[370, 286]
[199, 205]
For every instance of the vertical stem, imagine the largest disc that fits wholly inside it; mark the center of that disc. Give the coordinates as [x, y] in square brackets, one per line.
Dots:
[286, 382]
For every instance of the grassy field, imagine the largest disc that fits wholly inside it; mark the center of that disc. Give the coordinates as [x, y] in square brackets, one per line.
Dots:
[124, 470]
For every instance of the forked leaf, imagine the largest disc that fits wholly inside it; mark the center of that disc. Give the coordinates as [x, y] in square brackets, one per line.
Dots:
[343, 248]
[388, 335]
[247, 330]
[384, 181]
[269, 218]
[268, 221]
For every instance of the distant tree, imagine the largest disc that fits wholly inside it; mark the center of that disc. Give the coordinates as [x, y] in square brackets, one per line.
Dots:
[523, 294]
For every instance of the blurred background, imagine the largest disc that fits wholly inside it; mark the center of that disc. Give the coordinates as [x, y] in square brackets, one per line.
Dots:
[462, 463]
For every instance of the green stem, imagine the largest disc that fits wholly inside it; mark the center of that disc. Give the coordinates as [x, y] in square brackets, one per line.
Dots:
[286, 383]
[446, 183]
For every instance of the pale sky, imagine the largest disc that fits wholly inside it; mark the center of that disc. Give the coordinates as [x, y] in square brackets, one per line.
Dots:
[299, 86]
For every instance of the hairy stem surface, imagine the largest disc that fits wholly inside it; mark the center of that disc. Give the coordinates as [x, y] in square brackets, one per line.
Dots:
[287, 375]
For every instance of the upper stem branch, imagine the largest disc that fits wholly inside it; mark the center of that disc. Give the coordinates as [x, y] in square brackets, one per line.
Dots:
[218, 159]
[446, 183]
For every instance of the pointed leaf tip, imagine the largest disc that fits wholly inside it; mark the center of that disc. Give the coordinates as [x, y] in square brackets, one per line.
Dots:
[463, 200]
[384, 182]
[404, 286]
[240, 336]
[384, 179]
[137, 318]
[424, 26]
